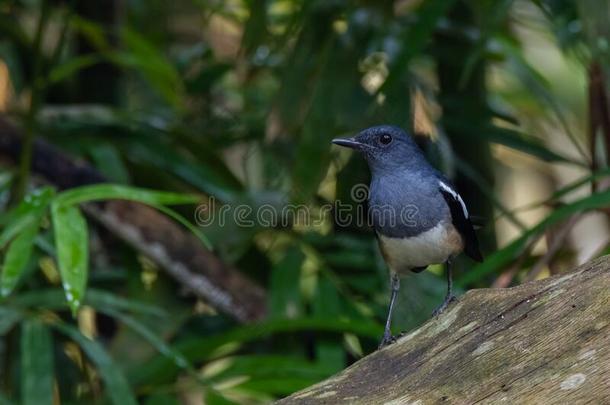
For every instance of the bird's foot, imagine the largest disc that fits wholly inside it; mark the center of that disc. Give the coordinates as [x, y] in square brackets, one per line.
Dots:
[386, 341]
[401, 334]
[448, 300]
[389, 339]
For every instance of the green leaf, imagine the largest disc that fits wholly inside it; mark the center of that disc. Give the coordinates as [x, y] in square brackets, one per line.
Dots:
[589, 178]
[163, 348]
[71, 228]
[104, 191]
[108, 160]
[110, 303]
[414, 39]
[526, 144]
[180, 219]
[102, 301]
[487, 190]
[144, 57]
[201, 349]
[71, 67]
[266, 366]
[326, 303]
[503, 257]
[495, 14]
[284, 294]
[22, 229]
[208, 172]
[513, 139]
[117, 387]
[72, 243]
[537, 85]
[11, 50]
[156, 199]
[163, 399]
[215, 398]
[17, 256]
[36, 364]
[29, 211]
[4, 400]
[8, 319]
[280, 386]
[93, 32]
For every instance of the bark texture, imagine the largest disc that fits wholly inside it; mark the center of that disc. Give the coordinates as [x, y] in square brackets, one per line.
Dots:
[544, 342]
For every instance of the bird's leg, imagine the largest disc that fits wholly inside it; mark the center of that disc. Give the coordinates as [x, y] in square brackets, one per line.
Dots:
[387, 334]
[449, 296]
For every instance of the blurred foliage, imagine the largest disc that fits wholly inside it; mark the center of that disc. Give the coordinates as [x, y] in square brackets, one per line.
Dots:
[238, 100]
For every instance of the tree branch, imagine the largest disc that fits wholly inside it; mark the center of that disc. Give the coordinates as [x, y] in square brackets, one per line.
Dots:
[173, 248]
[545, 341]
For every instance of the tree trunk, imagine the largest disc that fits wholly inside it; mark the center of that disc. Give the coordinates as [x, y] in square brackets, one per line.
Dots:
[544, 342]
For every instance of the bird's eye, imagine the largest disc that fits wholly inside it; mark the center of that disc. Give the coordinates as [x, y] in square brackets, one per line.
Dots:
[385, 139]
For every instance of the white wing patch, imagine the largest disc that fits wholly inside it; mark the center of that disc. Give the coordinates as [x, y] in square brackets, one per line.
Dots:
[456, 196]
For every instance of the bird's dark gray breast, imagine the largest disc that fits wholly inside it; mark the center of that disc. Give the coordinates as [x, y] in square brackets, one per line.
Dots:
[406, 205]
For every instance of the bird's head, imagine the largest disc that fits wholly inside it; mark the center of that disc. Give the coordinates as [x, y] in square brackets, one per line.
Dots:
[385, 147]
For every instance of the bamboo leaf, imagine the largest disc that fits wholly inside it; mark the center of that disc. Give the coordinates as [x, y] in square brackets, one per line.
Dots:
[4, 400]
[146, 58]
[29, 211]
[156, 199]
[163, 348]
[107, 303]
[104, 191]
[53, 299]
[17, 256]
[181, 220]
[71, 67]
[213, 397]
[326, 303]
[488, 190]
[539, 86]
[284, 295]
[8, 319]
[513, 139]
[36, 364]
[109, 161]
[532, 146]
[428, 14]
[72, 242]
[208, 172]
[199, 349]
[117, 387]
[503, 257]
[22, 229]
[554, 198]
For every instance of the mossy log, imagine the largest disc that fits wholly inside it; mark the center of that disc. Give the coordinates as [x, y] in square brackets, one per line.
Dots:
[544, 342]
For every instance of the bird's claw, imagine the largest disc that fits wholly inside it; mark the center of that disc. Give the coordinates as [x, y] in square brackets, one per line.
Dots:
[443, 306]
[386, 341]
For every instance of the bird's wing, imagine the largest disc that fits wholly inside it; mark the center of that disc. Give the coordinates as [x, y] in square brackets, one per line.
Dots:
[461, 220]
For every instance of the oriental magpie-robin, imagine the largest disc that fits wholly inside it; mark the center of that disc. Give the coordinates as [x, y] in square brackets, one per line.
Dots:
[437, 227]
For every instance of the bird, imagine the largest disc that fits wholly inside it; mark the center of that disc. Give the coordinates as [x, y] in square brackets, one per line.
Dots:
[418, 216]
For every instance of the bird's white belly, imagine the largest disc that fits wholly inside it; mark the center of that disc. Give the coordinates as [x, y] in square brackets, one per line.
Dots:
[434, 246]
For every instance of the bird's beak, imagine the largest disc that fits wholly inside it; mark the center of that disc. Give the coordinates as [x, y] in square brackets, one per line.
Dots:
[348, 143]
